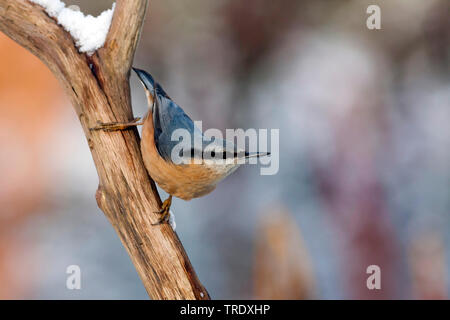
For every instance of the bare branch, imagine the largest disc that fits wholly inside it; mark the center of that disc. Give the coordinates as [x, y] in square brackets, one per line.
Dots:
[99, 91]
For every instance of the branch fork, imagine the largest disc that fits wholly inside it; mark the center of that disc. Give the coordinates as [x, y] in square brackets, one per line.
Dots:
[98, 87]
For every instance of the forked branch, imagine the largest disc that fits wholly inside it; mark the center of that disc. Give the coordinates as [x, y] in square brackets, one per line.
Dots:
[98, 87]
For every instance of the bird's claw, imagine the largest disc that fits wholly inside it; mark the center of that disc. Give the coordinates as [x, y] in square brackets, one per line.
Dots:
[114, 126]
[164, 219]
[103, 126]
[165, 212]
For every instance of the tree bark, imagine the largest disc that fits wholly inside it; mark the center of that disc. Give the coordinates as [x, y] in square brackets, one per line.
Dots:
[98, 87]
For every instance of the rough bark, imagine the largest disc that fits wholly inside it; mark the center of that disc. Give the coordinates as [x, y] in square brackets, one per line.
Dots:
[98, 87]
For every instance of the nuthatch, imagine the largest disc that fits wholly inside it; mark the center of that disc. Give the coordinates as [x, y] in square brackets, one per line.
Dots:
[198, 175]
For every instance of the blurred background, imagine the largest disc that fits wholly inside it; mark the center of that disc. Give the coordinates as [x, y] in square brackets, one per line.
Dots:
[364, 175]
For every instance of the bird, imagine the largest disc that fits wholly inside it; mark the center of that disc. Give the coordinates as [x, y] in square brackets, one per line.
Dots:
[207, 162]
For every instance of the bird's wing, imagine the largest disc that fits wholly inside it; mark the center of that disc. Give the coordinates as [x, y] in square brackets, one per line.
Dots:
[167, 118]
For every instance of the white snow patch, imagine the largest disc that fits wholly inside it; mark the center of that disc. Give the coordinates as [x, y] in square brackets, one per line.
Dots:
[74, 7]
[53, 7]
[88, 32]
[172, 222]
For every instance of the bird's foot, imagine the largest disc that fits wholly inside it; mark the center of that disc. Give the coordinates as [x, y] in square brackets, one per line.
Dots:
[165, 211]
[113, 126]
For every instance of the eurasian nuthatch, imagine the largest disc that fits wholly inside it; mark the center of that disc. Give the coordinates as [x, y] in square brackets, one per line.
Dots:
[197, 175]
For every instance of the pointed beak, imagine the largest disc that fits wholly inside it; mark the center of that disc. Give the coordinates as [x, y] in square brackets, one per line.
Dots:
[146, 79]
[149, 84]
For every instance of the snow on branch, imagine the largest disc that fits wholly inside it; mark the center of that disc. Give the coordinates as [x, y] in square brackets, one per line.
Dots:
[99, 90]
[88, 32]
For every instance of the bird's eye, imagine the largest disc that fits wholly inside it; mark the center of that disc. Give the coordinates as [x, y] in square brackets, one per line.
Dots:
[213, 154]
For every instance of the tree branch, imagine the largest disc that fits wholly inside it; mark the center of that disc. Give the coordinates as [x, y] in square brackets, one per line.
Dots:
[98, 87]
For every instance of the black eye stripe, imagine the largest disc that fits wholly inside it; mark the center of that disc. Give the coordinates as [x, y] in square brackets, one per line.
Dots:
[213, 154]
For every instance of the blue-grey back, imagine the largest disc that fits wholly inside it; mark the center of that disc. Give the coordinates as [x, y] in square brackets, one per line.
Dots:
[169, 117]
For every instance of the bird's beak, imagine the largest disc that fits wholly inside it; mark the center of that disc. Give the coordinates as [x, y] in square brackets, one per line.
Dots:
[146, 79]
[149, 85]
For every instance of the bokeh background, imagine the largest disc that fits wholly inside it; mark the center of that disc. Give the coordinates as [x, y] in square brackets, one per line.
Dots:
[364, 154]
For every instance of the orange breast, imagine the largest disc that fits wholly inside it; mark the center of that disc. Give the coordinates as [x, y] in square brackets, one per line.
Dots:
[184, 181]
